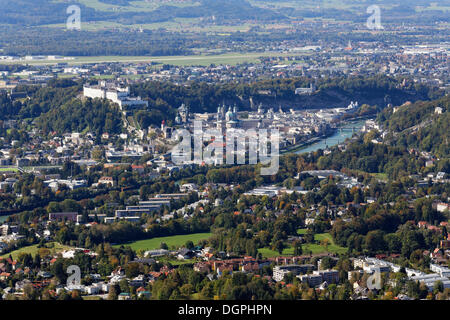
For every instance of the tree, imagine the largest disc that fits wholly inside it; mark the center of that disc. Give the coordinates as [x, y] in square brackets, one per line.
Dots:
[309, 236]
[186, 290]
[123, 284]
[374, 241]
[207, 291]
[438, 287]
[279, 246]
[298, 250]
[189, 245]
[58, 270]
[30, 293]
[132, 270]
[163, 246]
[324, 243]
[76, 295]
[112, 294]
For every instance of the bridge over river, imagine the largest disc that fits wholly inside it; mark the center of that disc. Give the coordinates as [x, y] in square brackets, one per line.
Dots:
[343, 132]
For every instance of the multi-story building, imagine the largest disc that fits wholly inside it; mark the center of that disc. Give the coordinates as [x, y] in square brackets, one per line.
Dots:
[311, 279]
[113, 93]
[280, 271]
[330, 276]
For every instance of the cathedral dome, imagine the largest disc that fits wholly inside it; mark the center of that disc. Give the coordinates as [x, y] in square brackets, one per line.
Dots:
[229, 115]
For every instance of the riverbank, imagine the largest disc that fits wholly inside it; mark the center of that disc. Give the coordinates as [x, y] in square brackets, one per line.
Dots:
[307, 143]
[340, 134]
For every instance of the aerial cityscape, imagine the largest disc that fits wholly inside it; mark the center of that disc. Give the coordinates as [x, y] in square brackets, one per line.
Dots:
[217, 150]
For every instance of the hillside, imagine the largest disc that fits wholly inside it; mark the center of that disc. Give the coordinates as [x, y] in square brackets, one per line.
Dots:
[56, 108]
[413, 126]
[44, 12]
[421, 125]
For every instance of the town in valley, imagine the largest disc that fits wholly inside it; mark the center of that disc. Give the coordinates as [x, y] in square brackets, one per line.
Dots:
[96, 205]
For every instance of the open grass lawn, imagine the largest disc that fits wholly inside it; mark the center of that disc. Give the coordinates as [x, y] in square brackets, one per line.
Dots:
[381, 176]
[34, 249]
[173, 241]
[175, 262]
[9, 169]
[195, 296]
[269, 253]
[314, 248]
[232, 58]
[93, 298]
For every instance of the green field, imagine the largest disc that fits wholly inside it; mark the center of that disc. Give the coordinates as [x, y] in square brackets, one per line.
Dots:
[192, 25]
[201, 60]
[173, 241]
[34, 249]
[135, 6]
[91, 298]
[9, 169]
[175, 262]
[381, 176]
[433, 6]
[314, 248]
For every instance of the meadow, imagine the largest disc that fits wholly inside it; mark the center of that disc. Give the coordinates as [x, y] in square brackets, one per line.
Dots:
[172, 241]
[196, 60]
[54, 248]
[313, 248]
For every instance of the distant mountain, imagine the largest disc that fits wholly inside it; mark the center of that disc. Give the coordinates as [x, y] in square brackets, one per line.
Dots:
[45, 12]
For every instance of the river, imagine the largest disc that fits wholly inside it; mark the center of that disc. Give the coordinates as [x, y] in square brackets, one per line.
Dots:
[343, 132]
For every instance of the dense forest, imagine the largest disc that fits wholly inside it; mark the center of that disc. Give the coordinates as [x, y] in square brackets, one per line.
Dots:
[50, 41]
[422, 125]
[82, 115]
[43, 12]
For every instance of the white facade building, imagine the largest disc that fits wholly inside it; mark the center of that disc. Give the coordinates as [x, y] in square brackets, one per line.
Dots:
[113, 93]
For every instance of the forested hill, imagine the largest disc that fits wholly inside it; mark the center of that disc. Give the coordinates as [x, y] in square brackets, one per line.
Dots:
[376, 91]
[56, 104]
[421, 125]
[413, 126]
[82, 116]
[44, 12]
